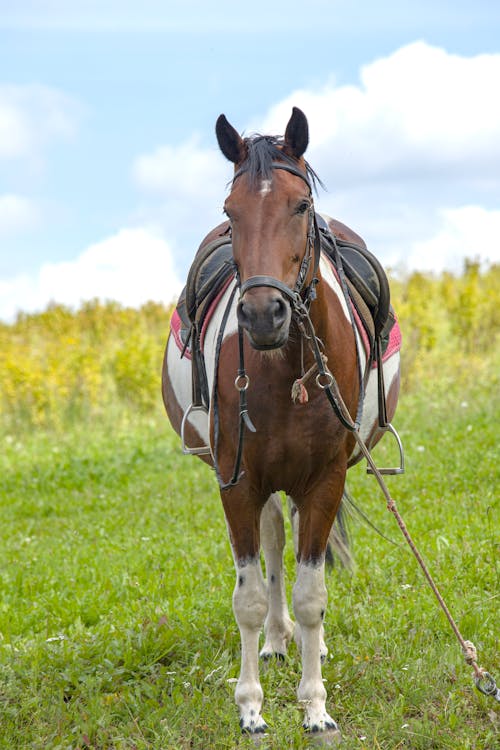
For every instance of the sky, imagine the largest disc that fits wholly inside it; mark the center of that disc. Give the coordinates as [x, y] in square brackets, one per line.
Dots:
[110, 174]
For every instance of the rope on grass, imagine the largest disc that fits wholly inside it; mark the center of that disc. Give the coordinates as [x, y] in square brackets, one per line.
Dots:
[483, 680]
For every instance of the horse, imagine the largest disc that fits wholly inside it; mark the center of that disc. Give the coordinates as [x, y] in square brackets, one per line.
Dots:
[284, 318]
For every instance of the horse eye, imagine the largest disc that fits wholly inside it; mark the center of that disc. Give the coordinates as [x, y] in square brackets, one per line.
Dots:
[303, 207]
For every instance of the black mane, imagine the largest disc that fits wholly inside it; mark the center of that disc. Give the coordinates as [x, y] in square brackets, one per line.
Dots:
[262, 153]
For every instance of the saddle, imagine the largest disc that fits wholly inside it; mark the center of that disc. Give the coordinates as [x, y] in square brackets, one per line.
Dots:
[213, 267]
[367, 284]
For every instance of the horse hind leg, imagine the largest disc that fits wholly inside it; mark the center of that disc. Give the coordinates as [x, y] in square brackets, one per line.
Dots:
[278, 627]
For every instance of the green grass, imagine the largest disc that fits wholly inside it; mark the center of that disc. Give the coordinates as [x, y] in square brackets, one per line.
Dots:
[116, 628]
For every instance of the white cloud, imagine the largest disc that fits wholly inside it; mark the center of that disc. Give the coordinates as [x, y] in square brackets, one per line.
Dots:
[184, 188]
[410, 153]
[187, 169]
[133, 266]
[31, 116]
[16, 213]
[469, 232]
[420, 113]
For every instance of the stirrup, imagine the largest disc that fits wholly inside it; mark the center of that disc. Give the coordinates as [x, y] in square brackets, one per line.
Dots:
[398, 469]
[203, 450]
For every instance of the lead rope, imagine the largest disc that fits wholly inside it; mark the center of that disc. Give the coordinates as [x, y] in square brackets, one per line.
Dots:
[483, 680]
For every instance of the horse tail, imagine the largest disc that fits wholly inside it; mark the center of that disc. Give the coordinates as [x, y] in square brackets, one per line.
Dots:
[339, 547]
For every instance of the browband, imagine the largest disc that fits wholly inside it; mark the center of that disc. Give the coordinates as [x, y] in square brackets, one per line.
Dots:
[279, 165]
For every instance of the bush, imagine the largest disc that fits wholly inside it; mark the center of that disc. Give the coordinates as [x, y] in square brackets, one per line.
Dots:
[60, 365]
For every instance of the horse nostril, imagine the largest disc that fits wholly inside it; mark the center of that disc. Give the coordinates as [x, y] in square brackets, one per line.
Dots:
[242, 314]
[279, 311]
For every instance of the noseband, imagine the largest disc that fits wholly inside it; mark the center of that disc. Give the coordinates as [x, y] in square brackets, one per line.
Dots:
[299, 295]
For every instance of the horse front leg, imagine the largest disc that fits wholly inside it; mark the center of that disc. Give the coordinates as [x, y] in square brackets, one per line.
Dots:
[294, 520]
[278, 627]
[250, 602]
[316, 515]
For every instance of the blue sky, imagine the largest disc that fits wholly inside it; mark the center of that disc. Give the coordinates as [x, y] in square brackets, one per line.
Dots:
[109, 170]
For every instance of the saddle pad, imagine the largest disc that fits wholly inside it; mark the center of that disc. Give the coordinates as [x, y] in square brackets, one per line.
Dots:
[364, 272]
[180, 327]
[393, 342]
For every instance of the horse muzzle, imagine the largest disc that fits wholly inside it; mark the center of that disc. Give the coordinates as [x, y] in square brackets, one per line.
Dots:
[265, 316]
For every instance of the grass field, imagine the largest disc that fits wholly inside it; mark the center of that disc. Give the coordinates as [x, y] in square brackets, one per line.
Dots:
[116, 628]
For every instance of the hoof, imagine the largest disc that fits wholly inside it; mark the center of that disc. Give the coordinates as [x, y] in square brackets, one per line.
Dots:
[268, 655]
[256, 729]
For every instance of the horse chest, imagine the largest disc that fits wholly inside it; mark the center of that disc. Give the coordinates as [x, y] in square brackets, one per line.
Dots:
[292, 444]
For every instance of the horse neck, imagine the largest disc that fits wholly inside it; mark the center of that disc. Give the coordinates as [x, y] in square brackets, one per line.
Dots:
[329, 319]
[318, 312]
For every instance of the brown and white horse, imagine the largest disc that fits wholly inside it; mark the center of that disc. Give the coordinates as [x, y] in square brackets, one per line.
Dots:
[289, 304]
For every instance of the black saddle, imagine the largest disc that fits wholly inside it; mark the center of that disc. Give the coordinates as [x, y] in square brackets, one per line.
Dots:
[367, 283]
[212, 266]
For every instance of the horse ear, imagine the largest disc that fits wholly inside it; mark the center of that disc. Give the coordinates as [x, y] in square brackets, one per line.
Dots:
[230, 142]
[296, 134]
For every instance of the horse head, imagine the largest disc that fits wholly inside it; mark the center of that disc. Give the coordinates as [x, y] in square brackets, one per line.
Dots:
[271, 211]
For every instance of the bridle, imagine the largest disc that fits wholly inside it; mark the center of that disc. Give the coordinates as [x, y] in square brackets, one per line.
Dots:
[299, 294]
[300, 298]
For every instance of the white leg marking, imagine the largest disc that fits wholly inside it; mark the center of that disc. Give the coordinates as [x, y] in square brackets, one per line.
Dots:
[309, 604]
[278, 626]
[250, 608]
[294, 520]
